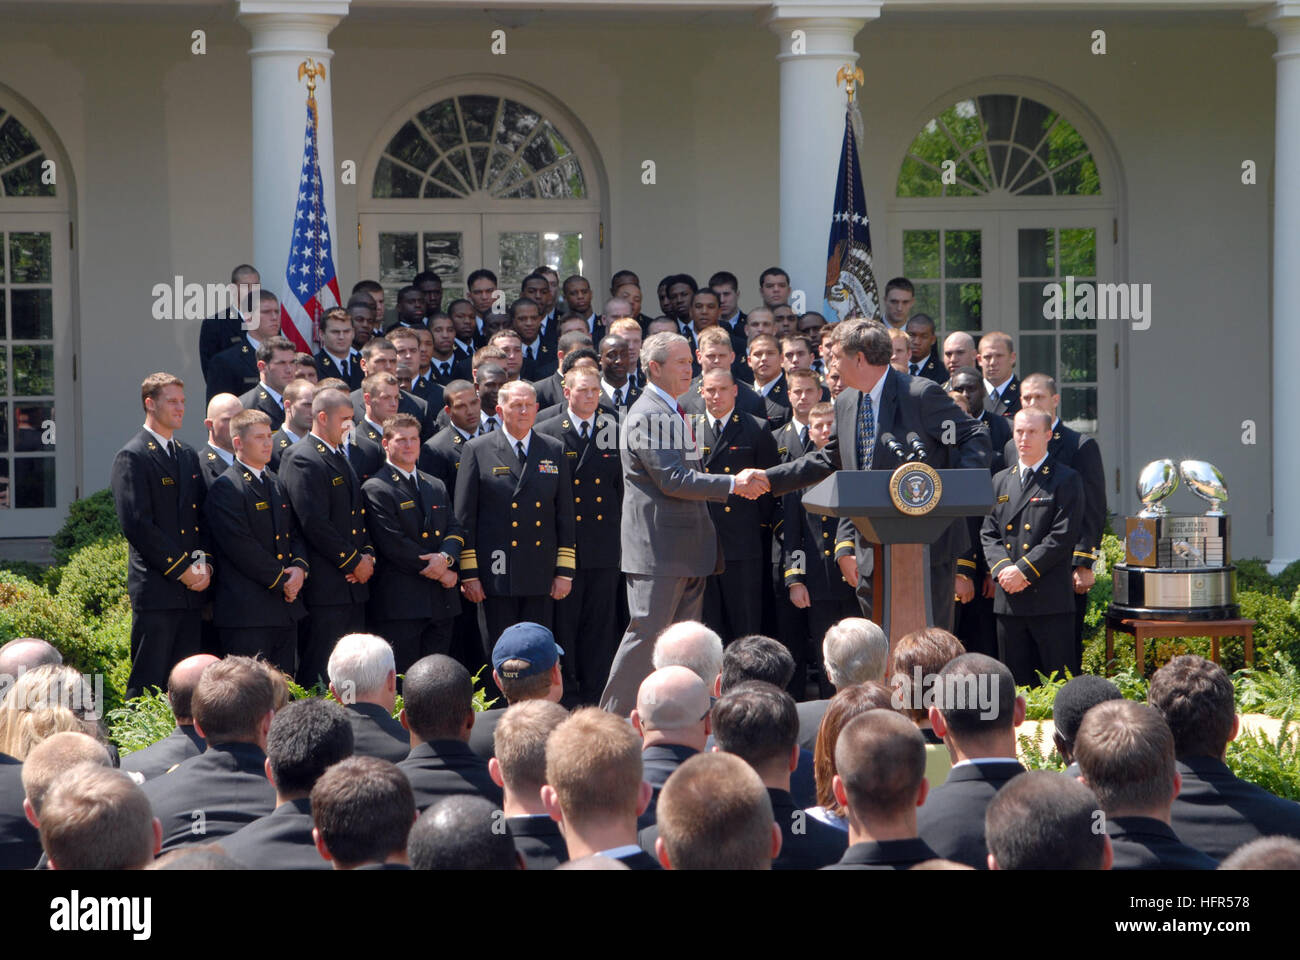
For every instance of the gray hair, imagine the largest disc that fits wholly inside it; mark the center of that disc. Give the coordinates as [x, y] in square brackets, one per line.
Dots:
[655, 349]
[512, 387]
[692, 645]
[362, 662]
[855, 651]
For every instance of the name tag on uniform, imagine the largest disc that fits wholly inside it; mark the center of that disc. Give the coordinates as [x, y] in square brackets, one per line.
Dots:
[570, 453]
[168, 481]
[782, 451]
[1004, 498]
[408, 505]
[497, 471]
[263, 505]
[338, 481]
[547, 466]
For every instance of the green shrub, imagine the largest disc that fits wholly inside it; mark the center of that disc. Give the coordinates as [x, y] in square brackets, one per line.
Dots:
[1252, 574]
[1272, 691]
[34, 572]
[94, 578]
[1033, 756]
[140, 721]
[1271, 764]
[90, 519]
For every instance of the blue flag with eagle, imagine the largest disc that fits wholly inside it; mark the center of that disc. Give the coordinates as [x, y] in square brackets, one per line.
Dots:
[850, 281]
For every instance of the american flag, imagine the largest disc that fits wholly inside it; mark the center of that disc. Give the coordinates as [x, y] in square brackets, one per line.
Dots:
[311, 286]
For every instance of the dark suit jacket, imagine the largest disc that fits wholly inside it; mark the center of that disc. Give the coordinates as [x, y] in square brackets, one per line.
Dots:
[402, 527]
[281, 840]
[931, 368]
[1001, 442]
[375, 733]
[327, 367]
[806, 842]
[745, 442]
[1216, 811]
[541, 366]
[20, 843]
[158, 505]
[1007, 405]
[658, 763]
[885, 855]
[538, 839]
[219, 333]
[213, 464]
[440, 457]
[810, 721]
[226, 785]
[747, 401]
[550, 391]
[1035, 528]
[481, 736]
[258, 399]
[952, 819]
[159, 757]
[233, 370]
[1144, 843]
[447, 768]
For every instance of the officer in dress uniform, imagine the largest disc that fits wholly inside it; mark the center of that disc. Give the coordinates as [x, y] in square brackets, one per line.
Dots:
[923, 360]
[586, 622]
[440, 455]
[158, 491]
[275, 367]
[337, 358]
[217, 454]
[1028, 538]
[769, 379]
[226, 329]
[234, 370]
[413, 601]
[514, 500]
[997, 355]
[615, 389]
[381, 396]
[714, 351]
[731, 442]
[325, 494]
[259, 551]
[297, 418]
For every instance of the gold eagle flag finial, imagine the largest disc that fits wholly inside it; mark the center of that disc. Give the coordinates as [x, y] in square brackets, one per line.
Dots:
[851, 77]
[312, 70]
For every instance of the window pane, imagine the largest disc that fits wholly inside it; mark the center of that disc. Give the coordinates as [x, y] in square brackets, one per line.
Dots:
[927, 299]
[5, 500]
[1030, 169]
[33, 371]
[1079, 358]
[1080, 178]
[437, 190]
[1079, 408]
[517, 255]
[460, 161]
[962, 254]
[4, 370]
[1032, 304]
[1079, 252]
[1033, 123]
[409, 146]
[29, 258]
[31, 423]
[1037, 253]
[15, 141]
[4, 428]
[397, 265]
[26, 180]
[916, 179]
[526, 191]
[496, 166]
[4, 326]
[394, 181]
[1037, 354]
[480, 156]
[515, 125]
[442, 124]
[963, 305]
[33, 482]
[562, 252]
[963, 124]
[444, 174]
[33, 314]
[480, 113]
[921, 253]
[998, 111]
[444, 255]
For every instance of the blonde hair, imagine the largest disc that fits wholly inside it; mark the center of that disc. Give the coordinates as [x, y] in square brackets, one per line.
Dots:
[45, 701]
[593, 762]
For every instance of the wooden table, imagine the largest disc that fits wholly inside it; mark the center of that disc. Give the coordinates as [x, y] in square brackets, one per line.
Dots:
[1144, 630]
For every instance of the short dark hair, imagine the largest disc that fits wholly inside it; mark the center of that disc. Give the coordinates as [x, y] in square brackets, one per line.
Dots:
[772, 272]
[715, 814]
[756, 721]
[439, 695]
[621, 277]
[232, 697]
[367, 287]
[572, 357]
[685, 278]
[880, 757]
[756, 657]
[480, 274]
[363, 808]
[900, 283]
[1044, 820]
[409, 288]
[572, 340]
[955, 694]
[535, 276]
[459, 833]
[243, 270]
[724, 277]
[708, 291]
[1195, 697]
[924, 319]
[307, 737]
[363, 300]
[1077, 697]
[1126, 754]
[268, 347]
[424, 276]
[867, 337]
[524, 302]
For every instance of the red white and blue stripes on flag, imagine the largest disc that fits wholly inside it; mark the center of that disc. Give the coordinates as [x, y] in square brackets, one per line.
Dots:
[311, 285]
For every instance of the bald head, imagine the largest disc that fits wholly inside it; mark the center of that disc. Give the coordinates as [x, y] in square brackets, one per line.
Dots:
[672, 706]
[23, 654]
[958, 351]
[181, 683]
[221, 410]
[690, 644]
[51, 758]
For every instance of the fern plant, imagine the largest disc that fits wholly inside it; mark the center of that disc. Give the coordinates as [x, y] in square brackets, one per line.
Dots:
[1272, 764]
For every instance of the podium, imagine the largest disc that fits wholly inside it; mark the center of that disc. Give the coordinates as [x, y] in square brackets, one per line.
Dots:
[904, 511]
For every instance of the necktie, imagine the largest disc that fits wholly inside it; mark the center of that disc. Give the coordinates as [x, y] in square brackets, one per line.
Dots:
[444, 369]
[1026, 474]
[519, 450]
[914, 368]
[618, 398]
[866, 433]
[171, 452]
[803, 436]
[717, 428]
[586, 430]
[528, 353]
[489, 424]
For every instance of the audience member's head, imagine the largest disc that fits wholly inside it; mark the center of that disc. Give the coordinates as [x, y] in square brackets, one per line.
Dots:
[519, 744]
[918, 655]
[855, 650]
[43, 701]
[714, 814]
[672, 706]
[461, 833]
[690, 644]
[526, 663]
[1125, 752]
[205, 856]
[1265, 853]
[594, 861]
[49, 760]
[362, 670]
[594, 787]
[976, 709]
[844, 706]
[438, 696]
[23, 654]
[880, 775]
[755, 658]
[1044, 820]
[1079, 695]
[307, 738]
[181, 684]
[1196, 699]
[96, 818]
[363, 809]
[759, 723]
[234, 702]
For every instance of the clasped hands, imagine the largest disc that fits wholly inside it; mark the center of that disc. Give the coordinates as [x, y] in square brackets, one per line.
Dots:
[752, 483]
[435, 568]
[1012, 580]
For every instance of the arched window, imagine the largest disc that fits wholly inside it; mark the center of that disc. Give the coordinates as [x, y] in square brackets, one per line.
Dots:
[23, 171]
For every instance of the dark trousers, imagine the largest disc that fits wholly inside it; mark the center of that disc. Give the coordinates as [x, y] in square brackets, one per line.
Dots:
[325, 624]
[586, 627]
[733, 605]
[1042, 643]
[502, 612]
[976, 625]
[159, 640]
[276, 645]
[414, 640]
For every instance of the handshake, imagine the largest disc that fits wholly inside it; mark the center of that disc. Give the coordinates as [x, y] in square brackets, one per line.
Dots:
[752, 483]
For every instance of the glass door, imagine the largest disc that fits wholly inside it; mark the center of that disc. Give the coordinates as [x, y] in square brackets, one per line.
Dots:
[395, 247]
[515, 244]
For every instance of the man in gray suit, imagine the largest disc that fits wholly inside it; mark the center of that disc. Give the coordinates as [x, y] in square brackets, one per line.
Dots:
[669, 544]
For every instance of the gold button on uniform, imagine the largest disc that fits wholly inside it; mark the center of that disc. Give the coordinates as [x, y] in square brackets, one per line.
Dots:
[538, 543]
[827, 552]
[598, 499]
[1026, 526]
[579, 499]
[599, 517]
[514, 543]
[726, 469]
[1010, 525]
[425, 535]
[579, 517]
[726, 509]
[579, 482]
[539, 503]
[279, 556]
[514, 523]
[539, 523]
[1024, 546]
[598, 479]
[514, 506]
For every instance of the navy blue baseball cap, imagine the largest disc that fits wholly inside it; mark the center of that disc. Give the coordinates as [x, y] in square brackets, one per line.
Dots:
[530, 642]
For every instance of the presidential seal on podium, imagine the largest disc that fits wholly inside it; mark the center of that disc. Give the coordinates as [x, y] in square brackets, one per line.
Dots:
[915, 488]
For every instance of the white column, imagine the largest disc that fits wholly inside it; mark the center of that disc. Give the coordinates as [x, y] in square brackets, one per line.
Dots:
[816, 40]
[1283, 19]
[285, 33]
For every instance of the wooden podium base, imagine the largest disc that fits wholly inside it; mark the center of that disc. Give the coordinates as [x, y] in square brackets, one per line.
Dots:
[902, 582]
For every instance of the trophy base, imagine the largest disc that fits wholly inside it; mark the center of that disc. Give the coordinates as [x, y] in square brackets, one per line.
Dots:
[1165, 593]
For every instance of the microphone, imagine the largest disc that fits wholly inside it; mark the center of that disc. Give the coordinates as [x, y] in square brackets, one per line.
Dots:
[918, 448]
[893, 446]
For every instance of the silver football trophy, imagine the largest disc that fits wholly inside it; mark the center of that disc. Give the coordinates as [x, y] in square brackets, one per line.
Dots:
[1177, 566]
